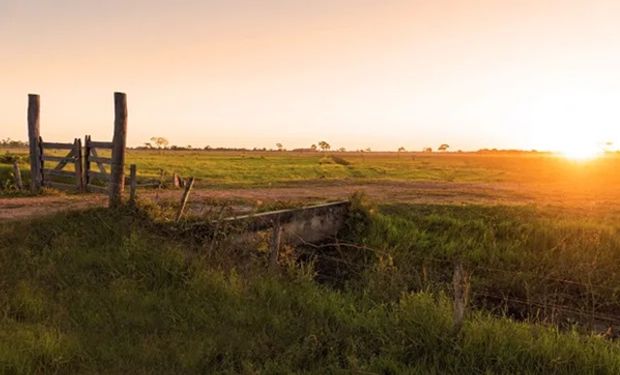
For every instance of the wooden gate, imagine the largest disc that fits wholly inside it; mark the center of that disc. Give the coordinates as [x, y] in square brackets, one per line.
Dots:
[57, 177]
[112, 182]
[91, 156]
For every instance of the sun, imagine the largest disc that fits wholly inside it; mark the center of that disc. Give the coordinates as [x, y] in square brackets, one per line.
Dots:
[581, 152]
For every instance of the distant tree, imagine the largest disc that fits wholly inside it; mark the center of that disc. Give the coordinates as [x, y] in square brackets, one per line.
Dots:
[401, 149]
[313, 147]
[280, 146]
[342, 149]
[161, 142]
[427, 149]
[443, 147]
[324, 146]
[207, 147]
[368, 149]
[189, 147]
[8, 142]
[148, 145]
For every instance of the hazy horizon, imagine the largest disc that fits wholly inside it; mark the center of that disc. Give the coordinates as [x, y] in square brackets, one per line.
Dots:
[380, 74]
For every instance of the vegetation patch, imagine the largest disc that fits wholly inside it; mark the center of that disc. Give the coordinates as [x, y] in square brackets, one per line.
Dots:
[107, 291]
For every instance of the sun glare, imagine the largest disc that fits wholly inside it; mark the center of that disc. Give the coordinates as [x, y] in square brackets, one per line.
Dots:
[582, 152]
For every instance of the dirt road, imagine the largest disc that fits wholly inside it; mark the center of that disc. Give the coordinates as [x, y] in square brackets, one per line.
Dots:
[410, 192]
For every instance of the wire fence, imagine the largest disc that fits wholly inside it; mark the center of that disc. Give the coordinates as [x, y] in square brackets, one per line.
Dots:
[590, 312]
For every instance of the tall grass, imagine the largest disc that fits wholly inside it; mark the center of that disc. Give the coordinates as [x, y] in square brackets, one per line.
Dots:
[105, 292]
[550, 265]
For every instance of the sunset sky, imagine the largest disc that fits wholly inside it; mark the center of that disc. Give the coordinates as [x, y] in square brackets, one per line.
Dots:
[356, 73]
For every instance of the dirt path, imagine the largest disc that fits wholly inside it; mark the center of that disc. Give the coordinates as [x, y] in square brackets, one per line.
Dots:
[413, 192]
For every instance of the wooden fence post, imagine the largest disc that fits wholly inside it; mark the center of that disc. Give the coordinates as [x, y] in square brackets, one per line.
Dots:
[117, 175]
[460, 283]
[79, 177]
[86, 157]
[18, 176]
[274, 251]
[34, 109]
[188, 189]
[133, 184]
[41, 163]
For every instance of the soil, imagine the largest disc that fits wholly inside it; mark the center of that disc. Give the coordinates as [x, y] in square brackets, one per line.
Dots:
[18, 208]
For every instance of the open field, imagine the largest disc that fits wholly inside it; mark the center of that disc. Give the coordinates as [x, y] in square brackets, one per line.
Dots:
[538, 176]
[539, 234]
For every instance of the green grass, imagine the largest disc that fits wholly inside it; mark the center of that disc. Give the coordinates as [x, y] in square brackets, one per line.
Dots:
[559, 264]
[251, 169]
[106, 292]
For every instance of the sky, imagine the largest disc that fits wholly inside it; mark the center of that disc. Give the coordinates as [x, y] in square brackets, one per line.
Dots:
[528, 74]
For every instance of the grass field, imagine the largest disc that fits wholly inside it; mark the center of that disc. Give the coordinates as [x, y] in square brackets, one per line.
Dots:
[235, 168]
[109, 291]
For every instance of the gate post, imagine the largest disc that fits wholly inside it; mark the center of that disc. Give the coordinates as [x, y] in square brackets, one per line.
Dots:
[86, 163]
[117, 175]
[34, 142]
[79, 178]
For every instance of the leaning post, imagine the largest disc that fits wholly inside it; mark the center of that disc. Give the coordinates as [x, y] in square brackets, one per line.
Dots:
[34, 105]
[188, 189]
[117, 175]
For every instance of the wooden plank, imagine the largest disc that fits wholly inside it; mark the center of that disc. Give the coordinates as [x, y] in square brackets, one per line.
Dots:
[188, 189]
[53, 172]
[99, 144]
[58, 158]
[265, 220]
[99, 164]
[101, 176]
[117, 174]
[148, 184]
[57, 146]
[62, 164]
[97, 189]
[34, 137]
[60, 185]
[100, 160]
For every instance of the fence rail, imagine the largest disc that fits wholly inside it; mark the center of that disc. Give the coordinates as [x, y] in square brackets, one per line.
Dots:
[47, 175]
[110, 170]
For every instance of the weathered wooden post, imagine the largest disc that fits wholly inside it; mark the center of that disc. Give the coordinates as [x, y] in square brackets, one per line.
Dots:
[79, 177]
[276, 238]
[86, 162]
[117, 175]
[133, 184]
[18, 176]
[460, 283]
[188, 189]
[33, 140]
[176, 180]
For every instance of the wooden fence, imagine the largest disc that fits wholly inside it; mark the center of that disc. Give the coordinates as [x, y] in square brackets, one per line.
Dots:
[101, 174]
[57, 177]
[82, 159]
